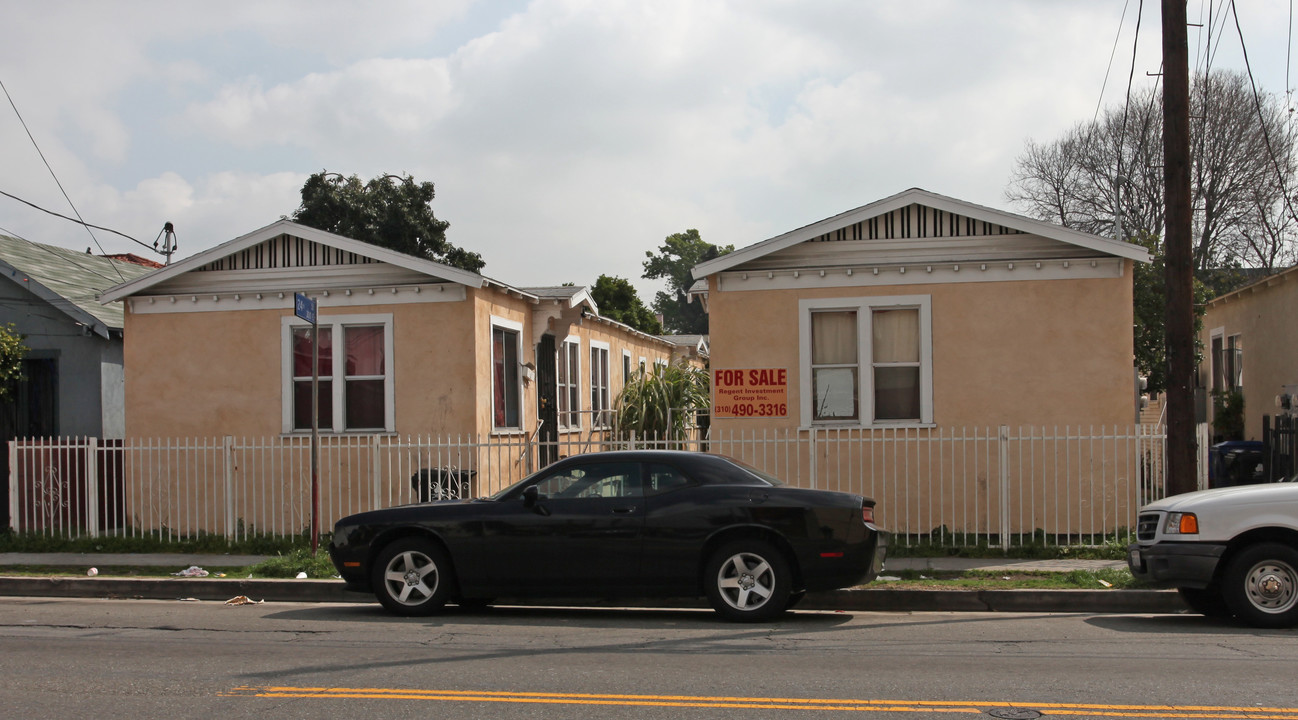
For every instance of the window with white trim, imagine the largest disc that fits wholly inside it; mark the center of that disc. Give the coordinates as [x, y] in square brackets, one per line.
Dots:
[569, 376]
[867, 361]
[626, 367]
[354, 364]
[599, 390]
[506, 385]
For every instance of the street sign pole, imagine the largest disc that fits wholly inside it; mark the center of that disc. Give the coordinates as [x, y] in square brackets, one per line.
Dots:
[305, 308]
[315, 435]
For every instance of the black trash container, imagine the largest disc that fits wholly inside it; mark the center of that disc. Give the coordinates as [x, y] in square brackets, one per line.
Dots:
[443, 483]
[1235, 462]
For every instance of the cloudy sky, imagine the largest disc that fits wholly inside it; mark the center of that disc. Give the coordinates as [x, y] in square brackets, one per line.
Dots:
[565, 137]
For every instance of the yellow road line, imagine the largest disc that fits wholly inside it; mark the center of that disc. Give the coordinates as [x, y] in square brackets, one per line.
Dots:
[1207, 712]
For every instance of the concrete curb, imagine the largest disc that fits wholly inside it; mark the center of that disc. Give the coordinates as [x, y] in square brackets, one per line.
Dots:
[861, 600]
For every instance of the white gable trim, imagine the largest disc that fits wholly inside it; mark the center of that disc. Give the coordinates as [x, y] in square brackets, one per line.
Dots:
[359, 297]
[927, 199]
[286, 227]
[920, 274]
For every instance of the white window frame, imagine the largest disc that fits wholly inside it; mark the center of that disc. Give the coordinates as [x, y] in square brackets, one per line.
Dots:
[603, 392]
[336, 324]
[516, 328]
[564, 393]
[628, 367]
[864, 308]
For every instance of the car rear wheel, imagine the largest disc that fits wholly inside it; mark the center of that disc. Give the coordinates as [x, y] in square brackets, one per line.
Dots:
[748, 581]
[412, 576]
[1261, 585]
[1206, 601]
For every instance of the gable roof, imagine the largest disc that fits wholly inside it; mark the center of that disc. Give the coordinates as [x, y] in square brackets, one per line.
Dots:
[264, 249]
[995, 222]
[68, 280]
[571, 295]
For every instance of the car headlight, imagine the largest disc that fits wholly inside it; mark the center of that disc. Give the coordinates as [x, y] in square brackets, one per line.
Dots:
[1181, 523]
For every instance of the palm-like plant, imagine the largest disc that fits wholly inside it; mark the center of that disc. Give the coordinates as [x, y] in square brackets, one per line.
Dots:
[662, 404]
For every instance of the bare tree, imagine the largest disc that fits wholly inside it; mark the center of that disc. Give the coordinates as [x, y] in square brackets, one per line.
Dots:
[1111, 169]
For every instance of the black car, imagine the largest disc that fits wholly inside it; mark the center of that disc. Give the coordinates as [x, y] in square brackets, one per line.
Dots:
[618, 524]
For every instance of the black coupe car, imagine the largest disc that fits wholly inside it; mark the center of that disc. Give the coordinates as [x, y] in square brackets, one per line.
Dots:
[618, 524]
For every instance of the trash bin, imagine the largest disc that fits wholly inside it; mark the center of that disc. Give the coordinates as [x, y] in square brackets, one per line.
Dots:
[443, 483]
[1235, 462]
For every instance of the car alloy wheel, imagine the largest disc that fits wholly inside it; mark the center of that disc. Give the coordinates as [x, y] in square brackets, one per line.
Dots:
[411, 577]
[748, 580]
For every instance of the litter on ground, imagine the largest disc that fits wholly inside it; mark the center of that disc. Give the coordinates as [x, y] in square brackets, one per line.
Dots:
[191, 571]
[243, 600]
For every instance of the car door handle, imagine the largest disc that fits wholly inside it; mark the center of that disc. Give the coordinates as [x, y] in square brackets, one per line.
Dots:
[624, 510]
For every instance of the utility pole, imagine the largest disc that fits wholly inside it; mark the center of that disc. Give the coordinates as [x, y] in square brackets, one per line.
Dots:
[1179, 318]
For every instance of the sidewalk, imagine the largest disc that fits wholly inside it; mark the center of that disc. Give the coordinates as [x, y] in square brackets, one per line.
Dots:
[331, 590]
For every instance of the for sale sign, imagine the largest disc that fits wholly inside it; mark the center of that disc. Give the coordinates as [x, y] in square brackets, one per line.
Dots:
[750, 393]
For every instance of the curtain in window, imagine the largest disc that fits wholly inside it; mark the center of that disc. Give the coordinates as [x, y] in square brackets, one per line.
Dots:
[895, 336]
[504, 373]
[834, 364]
[364, 399]
[302, 379]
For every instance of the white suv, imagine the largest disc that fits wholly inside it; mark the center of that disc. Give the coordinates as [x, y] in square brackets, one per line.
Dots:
[1229, 551]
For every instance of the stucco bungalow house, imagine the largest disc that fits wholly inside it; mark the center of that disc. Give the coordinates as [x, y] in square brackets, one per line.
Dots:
[409, 347]
[919, 317]
[1250, 347]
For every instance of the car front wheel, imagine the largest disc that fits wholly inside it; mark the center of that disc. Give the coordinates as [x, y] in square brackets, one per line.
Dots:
[1261, 585]
[412, 577]
[748, 581]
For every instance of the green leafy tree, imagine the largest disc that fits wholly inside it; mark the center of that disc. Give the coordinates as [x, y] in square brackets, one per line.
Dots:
[1149, 300]
[662, 404]
[390, 211]
[618, 300]
[678, 254]
[12, 352]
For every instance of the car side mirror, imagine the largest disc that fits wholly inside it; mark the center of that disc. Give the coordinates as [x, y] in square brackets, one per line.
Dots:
[532, 500]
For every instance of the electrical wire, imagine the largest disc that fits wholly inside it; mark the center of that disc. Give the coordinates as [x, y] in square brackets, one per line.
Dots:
[65, 258]
[1112, 54]
[75, 220]
[36, 145]
[1257, 101]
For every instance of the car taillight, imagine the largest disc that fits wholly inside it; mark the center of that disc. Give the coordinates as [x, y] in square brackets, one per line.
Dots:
[867, 514]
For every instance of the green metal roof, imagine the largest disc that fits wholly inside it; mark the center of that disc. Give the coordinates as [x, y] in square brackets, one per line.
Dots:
[70, 281]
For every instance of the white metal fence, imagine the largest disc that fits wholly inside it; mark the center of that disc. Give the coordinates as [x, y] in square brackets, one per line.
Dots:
[948, 486]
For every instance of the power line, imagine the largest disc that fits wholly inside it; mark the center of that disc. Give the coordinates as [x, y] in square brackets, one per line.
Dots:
[1112, 53]
[75, 220]
[1257, 101]
[71, 204]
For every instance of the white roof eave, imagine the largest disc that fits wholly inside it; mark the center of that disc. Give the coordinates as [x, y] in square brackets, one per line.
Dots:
[929, 199]
[288, 227]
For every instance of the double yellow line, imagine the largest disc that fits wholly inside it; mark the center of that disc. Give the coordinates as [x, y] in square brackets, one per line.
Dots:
[747, 703]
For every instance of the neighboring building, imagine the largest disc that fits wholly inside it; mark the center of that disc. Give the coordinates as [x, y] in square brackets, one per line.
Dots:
[1250, 345]
[72, 376]
[412, 347]
[692, 349]
[921, 317]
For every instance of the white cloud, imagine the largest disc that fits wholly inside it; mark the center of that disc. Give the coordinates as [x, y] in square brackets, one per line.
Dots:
[565, 137]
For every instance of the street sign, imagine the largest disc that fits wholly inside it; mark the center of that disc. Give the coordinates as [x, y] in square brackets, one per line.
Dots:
[304, 307]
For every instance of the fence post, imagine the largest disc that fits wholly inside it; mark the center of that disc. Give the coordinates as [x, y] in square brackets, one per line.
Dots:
[811, 455]
[1003, 446]
[13, 485]
[375, 469]
[227, 452]
[92, 486]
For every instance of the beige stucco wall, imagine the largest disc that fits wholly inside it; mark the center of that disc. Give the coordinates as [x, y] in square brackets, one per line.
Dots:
[220, 373]
[1014, 353]
[1263, 315]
